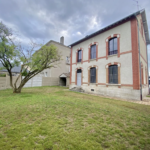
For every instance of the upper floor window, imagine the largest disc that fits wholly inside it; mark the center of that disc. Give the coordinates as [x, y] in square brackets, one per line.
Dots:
[93, 75]
[79, 59]
[113, 46]
[93, 51]
[113, 74]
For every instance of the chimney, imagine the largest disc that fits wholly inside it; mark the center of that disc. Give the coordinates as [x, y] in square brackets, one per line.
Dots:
[62, 40]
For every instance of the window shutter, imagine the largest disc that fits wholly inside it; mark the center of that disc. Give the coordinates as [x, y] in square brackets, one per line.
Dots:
[94, 75]
[115, 74]
[91, 75]
[110, 74]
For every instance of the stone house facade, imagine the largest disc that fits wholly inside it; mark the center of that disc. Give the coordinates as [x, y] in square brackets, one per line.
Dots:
[63, 66]
[107, 62]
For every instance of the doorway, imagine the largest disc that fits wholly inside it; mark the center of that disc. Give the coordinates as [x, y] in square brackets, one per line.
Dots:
[79, 74]
[62, 81]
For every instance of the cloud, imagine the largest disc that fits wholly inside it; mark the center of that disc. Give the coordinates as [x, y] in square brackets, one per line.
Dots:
[49, 20]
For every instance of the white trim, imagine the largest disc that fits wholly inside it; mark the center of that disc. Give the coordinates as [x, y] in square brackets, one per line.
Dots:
[63, 75]
[118, 65]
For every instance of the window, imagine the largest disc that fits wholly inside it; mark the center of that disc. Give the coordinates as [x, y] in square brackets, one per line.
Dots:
[113, 46]
[79, 59]
[93, 75]
[113, 74]
[45, 74]
[93, 51]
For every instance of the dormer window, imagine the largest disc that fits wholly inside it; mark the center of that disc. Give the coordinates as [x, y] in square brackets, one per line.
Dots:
[113, 46]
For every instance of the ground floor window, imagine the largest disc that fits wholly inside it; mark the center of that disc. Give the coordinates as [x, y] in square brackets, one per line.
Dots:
[113, 74]
[93, 75]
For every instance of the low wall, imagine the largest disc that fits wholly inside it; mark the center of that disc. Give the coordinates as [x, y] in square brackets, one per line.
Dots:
[50, 81]
[5, 82]
[33, 82]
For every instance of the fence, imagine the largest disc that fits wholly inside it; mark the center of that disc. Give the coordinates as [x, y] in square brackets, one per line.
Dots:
[33, 82]
[5, 82]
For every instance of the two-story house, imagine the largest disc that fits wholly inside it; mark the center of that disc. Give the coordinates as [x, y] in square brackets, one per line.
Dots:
[62, 69]
[113, 61]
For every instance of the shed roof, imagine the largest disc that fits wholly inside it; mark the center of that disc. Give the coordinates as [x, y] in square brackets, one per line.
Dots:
[65, 75]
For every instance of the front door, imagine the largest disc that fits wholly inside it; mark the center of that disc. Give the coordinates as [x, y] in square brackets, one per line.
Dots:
[79, 77]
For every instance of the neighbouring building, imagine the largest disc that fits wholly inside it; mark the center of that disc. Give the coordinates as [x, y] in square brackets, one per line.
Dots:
[63, 66]
[15, 70]
[112, 61]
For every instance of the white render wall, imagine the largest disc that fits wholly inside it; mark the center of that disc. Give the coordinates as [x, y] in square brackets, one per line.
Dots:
[125, 69]
[126, 74]
[126, 59]
[125, 41]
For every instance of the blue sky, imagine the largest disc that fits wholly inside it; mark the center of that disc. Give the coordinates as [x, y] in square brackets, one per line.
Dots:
[44, 20]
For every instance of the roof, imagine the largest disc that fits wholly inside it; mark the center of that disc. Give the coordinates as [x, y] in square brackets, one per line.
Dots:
[57, 43]
[14, 69]
[143, 14]
[65, 75]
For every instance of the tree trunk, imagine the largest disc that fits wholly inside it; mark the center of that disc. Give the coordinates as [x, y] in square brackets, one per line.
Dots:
[17, 90]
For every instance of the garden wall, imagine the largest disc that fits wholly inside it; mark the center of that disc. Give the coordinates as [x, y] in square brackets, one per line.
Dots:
[35, 81]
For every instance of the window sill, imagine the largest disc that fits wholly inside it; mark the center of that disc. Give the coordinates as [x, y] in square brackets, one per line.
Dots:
[92, 59]
[112, 55]
[92, 83]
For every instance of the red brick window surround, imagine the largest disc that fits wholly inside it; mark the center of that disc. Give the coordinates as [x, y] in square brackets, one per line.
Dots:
[89, 51]
[89, 68]
[118, 44]
[107, 73]
[76, 75]
[81, 55]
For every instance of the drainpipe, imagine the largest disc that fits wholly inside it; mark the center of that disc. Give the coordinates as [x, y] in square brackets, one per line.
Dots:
[147, 71]
[139, 60]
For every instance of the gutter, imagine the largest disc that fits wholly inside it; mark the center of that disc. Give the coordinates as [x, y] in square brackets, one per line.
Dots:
[139, 60]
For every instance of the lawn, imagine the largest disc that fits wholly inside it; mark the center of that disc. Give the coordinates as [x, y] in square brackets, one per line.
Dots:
[53, 118]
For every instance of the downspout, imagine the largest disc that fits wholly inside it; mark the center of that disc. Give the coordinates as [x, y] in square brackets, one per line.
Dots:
[139, 60]
[147, 71]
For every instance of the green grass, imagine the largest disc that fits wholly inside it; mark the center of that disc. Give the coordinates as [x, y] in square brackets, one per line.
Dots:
[53, 118]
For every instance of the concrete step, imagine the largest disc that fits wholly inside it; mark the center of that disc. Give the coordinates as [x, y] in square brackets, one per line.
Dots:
[77, 89]
[146, 99]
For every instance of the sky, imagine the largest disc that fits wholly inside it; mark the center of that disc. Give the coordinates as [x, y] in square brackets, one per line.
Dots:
[45, 20]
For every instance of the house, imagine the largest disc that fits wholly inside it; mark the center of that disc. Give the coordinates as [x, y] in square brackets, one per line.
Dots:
[15, 70]
[113, 61]
[63, 66]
